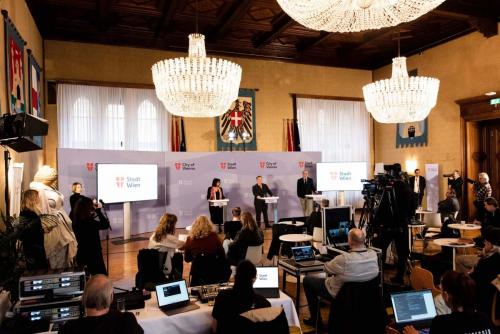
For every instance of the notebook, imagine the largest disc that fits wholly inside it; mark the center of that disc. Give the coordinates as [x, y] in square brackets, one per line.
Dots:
[173, 298]
[415, 308]
[266, 283]
[304, 256]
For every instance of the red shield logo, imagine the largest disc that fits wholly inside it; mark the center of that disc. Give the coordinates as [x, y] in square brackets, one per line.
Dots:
[301, 164]
[262, 164]
[222, 165]
[177, 165]
[119, 181]
[90, 166]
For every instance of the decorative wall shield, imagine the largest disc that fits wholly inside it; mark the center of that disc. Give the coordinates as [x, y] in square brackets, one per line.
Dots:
[14, 60]
[412, 134]
[239, 119]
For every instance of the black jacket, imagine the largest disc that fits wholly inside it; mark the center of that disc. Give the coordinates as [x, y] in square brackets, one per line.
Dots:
[457, 185]
[305, 188]
[258, 191]
[421, 183]
[238, 248]
[72, 202]
[88, 238]
[109, 323]
[486, 271]
[30, 232]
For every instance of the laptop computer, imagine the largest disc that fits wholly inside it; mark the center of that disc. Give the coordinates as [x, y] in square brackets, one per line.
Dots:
[267, 283]
[415, 308]
[173, 298]
[337, 235]
[304, 256]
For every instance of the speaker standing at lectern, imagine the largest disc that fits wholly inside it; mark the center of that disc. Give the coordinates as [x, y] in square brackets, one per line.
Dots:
[305, 186]
[216, 212]
[261, 190]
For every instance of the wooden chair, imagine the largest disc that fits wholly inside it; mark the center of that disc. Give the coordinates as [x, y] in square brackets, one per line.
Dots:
[421, 278]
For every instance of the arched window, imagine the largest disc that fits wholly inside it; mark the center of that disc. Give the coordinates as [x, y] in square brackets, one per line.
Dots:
[147, 131]
[114, 131]
[81, 125]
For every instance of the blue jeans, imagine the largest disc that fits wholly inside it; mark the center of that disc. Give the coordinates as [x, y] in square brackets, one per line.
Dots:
[314, 287]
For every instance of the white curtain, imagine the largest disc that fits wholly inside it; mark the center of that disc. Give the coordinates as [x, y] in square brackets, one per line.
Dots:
[113, 118]
[341, 130]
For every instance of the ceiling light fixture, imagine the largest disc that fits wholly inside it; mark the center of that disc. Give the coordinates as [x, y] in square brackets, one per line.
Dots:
[355, 15]
[196, 85]
[490, 93]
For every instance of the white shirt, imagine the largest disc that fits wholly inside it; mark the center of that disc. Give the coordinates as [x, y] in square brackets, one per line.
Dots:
[416, 188]
[167, 245]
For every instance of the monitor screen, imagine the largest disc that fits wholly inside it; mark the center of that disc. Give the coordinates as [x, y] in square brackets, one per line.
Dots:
[172, 293]
[340, 176]
[267, 277]
[303, 253]
[118, 183]
[338, 235]
[413, 305]
[336, 222]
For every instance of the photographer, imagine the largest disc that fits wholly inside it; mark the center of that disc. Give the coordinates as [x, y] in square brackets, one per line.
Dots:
[88, 220]
[481, 190]
[455, 182]
[395, 218]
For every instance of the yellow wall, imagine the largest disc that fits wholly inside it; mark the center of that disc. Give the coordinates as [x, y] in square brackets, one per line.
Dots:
[466, 67]
[275, 81]
[20, 15]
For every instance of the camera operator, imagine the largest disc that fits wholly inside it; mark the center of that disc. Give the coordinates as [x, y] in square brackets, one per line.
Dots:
[455, 182]
[481, 190]
[395, 227]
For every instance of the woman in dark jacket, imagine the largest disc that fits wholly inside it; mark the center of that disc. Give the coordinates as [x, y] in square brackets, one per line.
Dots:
[249, 235]
[30, 231]
[76, 188]
[88, 220]
[216, 212]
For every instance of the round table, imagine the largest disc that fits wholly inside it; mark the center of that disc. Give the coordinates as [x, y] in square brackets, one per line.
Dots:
[465, 227]
[289, 222]
[410, 233]
[296, 238]
[452, 242]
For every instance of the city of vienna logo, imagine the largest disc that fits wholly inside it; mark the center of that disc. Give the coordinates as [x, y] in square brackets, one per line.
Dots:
[222, 165]
[262, 164]
[90, 166]
[178, 165]
[301, 164]
[185, 166]
[268, 164]
[119, 181]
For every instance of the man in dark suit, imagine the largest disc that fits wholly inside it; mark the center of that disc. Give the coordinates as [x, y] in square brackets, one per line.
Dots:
[305, 186]
[417, 184]
[260, 190]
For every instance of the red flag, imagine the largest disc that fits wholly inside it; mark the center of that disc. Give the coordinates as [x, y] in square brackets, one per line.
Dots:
[289, 136]
[177, 135]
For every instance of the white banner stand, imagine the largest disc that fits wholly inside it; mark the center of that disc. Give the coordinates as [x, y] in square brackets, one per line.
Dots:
[127, 214]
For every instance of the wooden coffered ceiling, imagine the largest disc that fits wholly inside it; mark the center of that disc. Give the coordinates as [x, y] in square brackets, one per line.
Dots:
[254, 28]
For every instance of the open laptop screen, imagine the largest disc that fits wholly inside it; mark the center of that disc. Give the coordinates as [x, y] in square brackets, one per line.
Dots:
[303, 253]
[267, 277]
[413, 306]
[172, 293]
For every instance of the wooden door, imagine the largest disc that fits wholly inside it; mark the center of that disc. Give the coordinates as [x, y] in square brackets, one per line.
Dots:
[491, 146]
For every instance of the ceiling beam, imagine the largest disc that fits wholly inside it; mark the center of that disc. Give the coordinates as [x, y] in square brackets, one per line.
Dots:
[103, 11]
[307, 45]
[168, 12]
[282, 22]
[235, 12]
[458, 9]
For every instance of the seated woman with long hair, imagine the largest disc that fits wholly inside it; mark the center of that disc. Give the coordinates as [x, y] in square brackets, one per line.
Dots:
[229, 304]
[459, 295]
[165, 240]
[249, 235]
[31, 232]
[202, 240]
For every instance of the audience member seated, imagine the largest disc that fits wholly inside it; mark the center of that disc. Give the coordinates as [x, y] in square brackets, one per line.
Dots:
[97, 299]
[204, 248]
[459, 294]
[30, 231]
[359, 265]
[487, 269]
[229, 304]
[314, 220]
[249, 235]
[492, 215]
[165, 240]
[232, 227]
[448, 208]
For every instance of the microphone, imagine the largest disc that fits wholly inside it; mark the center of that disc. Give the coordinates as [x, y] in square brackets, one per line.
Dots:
[102, 202]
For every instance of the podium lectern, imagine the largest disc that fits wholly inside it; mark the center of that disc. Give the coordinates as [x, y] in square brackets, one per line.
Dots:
[274, 201]
[220, 203]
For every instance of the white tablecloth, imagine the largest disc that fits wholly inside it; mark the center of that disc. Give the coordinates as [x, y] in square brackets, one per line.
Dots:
[199, 321]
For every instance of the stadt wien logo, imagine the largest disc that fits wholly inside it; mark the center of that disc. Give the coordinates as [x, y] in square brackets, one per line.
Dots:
[90, 166]
[223, 165]
[119, 181]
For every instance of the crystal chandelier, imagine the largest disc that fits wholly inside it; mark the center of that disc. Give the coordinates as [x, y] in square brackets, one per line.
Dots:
[355, 15]
[196, 86]
[401, 99]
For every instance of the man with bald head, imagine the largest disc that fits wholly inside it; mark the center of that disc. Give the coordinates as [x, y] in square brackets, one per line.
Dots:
[97, 299]
[360, 264]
